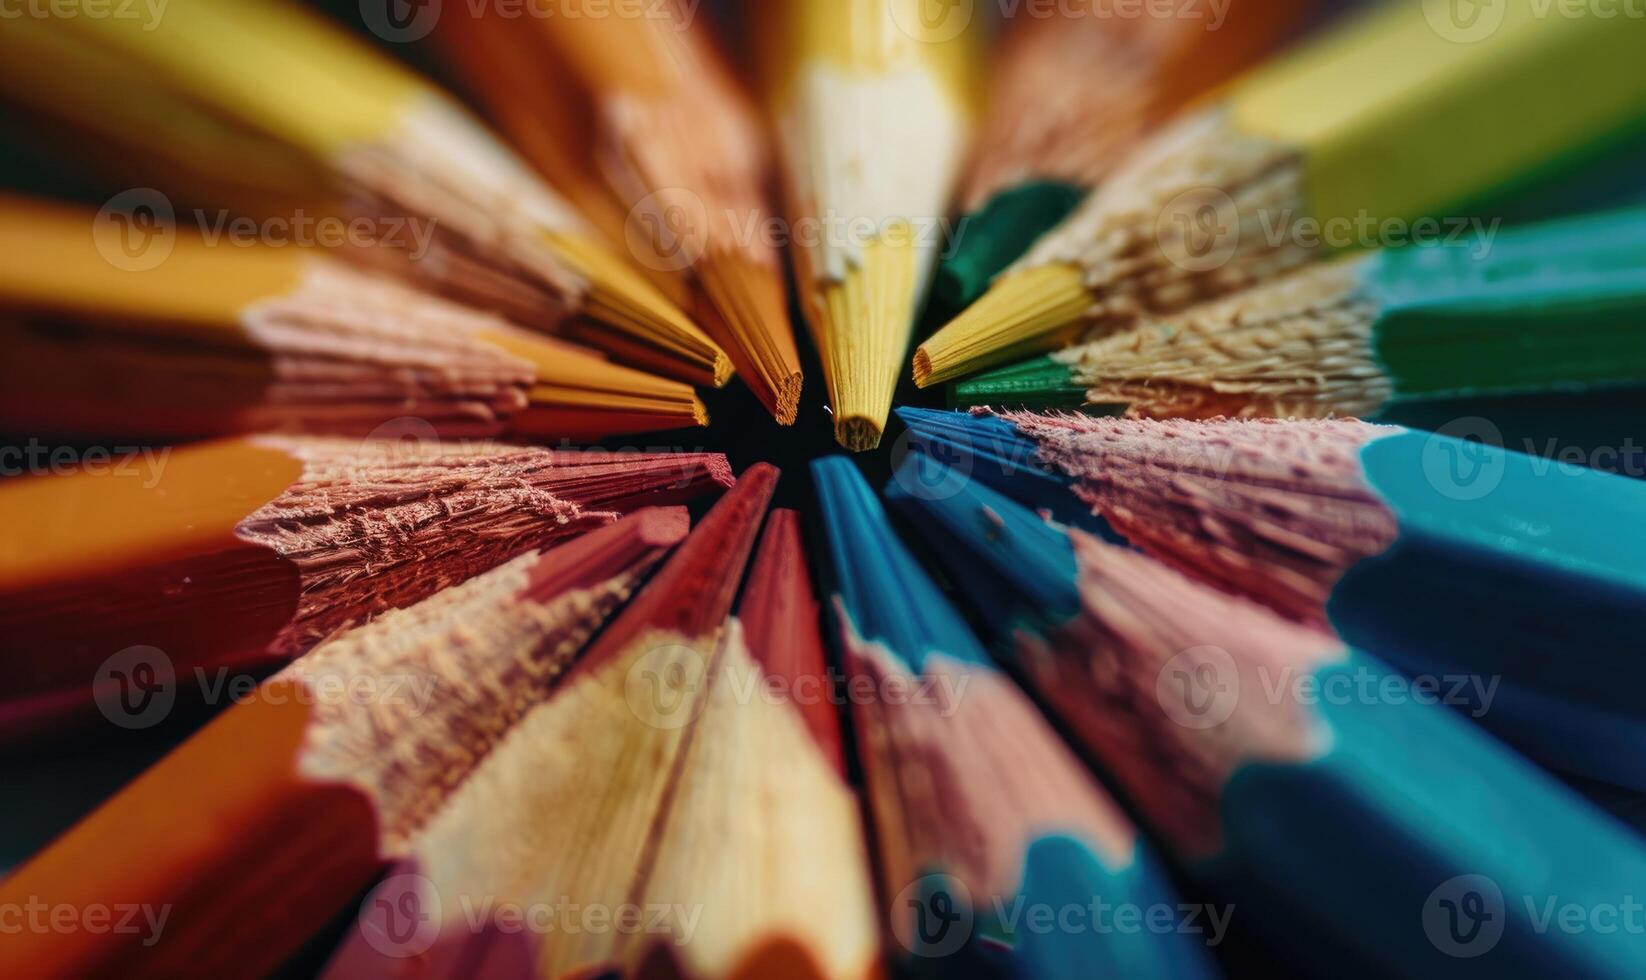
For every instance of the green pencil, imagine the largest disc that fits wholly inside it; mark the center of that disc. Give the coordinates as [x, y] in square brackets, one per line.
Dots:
[1554, 308]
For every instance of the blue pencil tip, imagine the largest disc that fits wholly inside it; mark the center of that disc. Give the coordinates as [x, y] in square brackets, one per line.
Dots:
[990, 449]
[884, 590]
[1010, 562]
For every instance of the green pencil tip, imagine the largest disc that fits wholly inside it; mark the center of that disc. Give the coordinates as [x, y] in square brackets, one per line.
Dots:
[992, 238]
[1042, 382]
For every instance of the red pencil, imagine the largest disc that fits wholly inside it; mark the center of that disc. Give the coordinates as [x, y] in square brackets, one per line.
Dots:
[570, 808]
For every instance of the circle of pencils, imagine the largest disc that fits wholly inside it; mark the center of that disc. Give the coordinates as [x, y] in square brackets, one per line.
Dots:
[382, 601]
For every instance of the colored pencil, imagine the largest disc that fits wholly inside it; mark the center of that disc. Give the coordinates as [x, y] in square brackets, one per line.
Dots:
[1050, 136]
[267, 95]
[1549, 309]
[245, 553]
[1230, 731]
[219, 340]
[872, 114]
[501, 70]
[682, 151]
[319, 777]
[645, 779]
[1449, 558]
[763, 830]
[1390, 119]
[978, 805]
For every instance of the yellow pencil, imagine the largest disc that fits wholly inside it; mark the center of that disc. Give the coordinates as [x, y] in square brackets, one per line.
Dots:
[270, 99]
[191, 339]
[1397, 117]
[872, 106]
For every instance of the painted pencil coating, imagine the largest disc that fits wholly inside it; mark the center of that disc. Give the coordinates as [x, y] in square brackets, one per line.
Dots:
[762, 777]
[680, 147]
[283, 531]
[576, 801]
[219, 339]
[1547, 309]
[1298, 155]
[322, 788]
[294, 109]
[1049, 137]
[1171, 684]
[872, 112]
[1335, 523]
[976, 801]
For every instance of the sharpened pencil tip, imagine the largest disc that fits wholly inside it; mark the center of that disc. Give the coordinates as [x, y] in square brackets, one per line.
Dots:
[723, 369]
[746, 311]
[857, 434]
[788, 399]
[922, 367]
[1027, 312]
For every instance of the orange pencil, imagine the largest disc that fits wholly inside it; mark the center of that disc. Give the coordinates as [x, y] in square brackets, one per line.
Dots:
[245, 553]
[316, 780]
[676, 149]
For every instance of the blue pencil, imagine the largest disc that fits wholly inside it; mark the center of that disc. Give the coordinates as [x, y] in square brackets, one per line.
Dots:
[1451, 558]
[988, 825]
[1299, 776]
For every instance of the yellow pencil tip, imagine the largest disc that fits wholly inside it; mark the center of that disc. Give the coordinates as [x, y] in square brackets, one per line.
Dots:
[747, 311]
[723, 369]
[862, 325]
[1024, 313]
[859, 435]
[623, 300]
